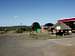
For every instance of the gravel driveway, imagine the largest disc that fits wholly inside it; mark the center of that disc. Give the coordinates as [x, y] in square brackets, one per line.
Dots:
[52, 47]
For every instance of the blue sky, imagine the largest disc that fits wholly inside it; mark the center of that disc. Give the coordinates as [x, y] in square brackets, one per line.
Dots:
[25, 12]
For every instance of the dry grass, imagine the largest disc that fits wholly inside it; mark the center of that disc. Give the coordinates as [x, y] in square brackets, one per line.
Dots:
[30, 36]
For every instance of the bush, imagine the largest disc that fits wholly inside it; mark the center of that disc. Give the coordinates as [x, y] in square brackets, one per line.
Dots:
[3, 31]
[28, 29]
[20, 30]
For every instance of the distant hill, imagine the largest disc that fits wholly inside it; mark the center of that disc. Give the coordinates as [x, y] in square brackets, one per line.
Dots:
[14, 28]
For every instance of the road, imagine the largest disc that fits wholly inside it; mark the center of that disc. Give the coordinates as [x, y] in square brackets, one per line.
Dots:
[52, 47]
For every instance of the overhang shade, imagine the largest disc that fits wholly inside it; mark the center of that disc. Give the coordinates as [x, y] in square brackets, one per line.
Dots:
[67, 20]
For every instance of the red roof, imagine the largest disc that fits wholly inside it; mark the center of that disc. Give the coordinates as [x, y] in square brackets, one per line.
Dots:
[67, 20]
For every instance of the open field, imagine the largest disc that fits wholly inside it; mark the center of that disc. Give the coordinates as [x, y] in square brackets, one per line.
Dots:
[17, 45]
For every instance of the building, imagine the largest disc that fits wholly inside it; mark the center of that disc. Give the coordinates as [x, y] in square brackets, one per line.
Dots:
[70, 22]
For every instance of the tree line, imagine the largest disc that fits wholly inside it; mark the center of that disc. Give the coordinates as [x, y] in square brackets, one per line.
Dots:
[22, 28]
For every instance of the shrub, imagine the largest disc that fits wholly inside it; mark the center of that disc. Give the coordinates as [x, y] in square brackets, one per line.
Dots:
[20, 30]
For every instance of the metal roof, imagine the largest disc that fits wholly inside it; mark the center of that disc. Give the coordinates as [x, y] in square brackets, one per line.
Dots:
[67, 20]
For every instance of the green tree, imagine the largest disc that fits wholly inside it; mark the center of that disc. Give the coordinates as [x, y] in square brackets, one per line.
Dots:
[36, 26]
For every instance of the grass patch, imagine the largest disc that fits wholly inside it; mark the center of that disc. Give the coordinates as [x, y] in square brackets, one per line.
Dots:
[44, 36]
[32, 36]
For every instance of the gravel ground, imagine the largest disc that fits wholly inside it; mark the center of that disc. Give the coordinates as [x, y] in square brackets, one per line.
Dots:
[12, 45]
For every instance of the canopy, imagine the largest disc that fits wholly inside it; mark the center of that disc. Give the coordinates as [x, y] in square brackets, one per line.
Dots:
[67, 20]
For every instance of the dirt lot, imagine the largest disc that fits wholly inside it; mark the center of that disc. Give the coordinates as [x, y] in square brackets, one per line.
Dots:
[16, 45]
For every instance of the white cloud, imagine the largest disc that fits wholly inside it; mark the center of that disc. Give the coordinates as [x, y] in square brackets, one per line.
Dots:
[16, 17]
